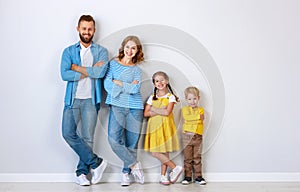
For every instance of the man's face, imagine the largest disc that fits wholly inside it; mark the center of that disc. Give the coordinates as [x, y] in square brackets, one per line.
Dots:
[86, 31]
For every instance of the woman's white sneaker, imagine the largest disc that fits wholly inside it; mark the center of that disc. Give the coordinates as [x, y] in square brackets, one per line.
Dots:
[138, 173]
[125, 180]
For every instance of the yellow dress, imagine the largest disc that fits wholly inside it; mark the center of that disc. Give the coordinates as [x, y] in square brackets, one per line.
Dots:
[161, 135]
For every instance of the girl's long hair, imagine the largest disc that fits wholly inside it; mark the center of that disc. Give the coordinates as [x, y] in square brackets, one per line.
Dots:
[161, 73]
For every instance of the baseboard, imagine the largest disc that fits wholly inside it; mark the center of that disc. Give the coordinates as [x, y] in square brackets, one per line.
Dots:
[154, 177]
[64, 177]
[254, 177]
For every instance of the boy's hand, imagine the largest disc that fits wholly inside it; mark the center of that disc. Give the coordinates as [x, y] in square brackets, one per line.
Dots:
[202, 117]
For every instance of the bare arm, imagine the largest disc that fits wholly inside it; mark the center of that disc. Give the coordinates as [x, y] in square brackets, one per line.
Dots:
[202, 117]
[152, 111]
[147, 112]
[83, 70]
[79, 69]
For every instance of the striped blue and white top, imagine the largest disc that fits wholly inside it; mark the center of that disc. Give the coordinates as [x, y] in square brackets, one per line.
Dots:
[127, 96]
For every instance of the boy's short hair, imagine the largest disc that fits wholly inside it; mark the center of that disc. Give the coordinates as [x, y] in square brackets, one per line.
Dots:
[193, 90]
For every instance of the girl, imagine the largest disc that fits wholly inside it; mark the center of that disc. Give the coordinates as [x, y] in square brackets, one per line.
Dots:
[161, 137]
[122, 83]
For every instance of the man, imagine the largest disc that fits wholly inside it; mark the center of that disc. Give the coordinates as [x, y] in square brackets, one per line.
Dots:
[82, 66]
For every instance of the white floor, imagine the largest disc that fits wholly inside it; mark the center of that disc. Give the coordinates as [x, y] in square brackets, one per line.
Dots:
[151, 187]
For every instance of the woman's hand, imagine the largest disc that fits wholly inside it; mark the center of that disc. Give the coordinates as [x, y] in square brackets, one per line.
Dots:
[120, 83]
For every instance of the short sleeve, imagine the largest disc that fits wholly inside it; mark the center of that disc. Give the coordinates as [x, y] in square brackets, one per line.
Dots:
[149, 101]
[172, 99]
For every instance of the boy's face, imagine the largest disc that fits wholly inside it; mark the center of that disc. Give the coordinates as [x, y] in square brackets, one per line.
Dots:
[192, 100]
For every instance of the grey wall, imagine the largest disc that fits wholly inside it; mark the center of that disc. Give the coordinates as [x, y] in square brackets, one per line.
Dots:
[248, 48]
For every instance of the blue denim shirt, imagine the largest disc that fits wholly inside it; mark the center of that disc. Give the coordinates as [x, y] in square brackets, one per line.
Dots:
[71, 55]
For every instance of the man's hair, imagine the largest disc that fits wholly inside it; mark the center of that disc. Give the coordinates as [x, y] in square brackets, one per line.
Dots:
[87, 18]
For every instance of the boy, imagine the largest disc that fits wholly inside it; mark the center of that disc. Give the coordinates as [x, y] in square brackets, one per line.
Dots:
[193, 116]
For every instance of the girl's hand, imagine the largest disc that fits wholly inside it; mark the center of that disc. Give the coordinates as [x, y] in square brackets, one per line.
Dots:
[165, 110]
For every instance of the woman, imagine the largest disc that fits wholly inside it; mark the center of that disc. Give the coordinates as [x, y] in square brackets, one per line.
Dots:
[122, 83]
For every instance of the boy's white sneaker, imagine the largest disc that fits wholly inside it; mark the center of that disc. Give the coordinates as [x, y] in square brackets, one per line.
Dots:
[186, 181]
[200, 181]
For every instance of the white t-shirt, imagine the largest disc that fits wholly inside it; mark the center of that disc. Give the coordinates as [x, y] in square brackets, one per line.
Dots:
[172, 98]
[84, 88]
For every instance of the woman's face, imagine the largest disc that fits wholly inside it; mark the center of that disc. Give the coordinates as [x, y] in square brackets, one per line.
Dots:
[130, 49]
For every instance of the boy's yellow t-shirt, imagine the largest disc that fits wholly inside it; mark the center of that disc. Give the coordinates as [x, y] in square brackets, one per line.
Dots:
[192, 122]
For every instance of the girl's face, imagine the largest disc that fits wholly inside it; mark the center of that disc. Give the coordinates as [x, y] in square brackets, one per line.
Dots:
[160, 82]
[192, 100]
[130, 49]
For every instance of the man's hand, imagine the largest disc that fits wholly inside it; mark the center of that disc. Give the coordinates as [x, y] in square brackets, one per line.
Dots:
[82, 76]
[74, 67]
[98, 64]
[80, 69]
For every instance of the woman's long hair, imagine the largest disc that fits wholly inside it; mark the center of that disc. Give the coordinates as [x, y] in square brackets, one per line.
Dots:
[139, 56]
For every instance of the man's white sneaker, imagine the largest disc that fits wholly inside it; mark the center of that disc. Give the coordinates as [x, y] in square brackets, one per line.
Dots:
[97, 173]
[138, 173]
[175, 173]
[82, 180]
[125, 180]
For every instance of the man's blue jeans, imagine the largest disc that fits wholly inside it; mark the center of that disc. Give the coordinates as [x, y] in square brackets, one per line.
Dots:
[78, 128]
[124, 129]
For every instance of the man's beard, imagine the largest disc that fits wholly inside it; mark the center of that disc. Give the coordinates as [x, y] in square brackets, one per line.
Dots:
[86, 40]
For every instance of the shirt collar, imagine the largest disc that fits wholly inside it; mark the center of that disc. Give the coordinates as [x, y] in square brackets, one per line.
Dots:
[78, 44]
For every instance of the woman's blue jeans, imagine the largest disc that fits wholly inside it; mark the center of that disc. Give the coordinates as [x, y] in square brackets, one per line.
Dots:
[78, 128]
[124, 129]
